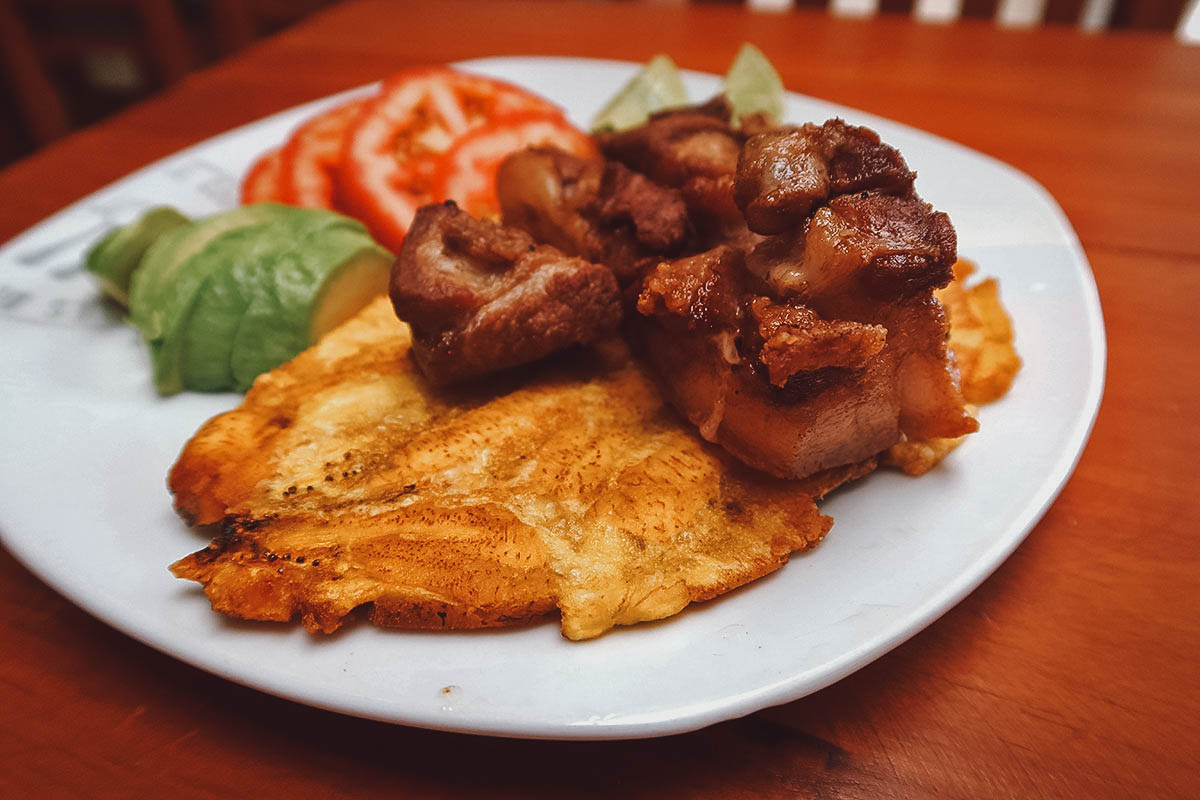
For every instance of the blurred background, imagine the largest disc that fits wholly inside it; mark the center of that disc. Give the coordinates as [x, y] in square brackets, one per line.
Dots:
[69, 63]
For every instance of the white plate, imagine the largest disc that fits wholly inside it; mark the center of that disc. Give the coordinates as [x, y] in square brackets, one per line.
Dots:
[87, 445]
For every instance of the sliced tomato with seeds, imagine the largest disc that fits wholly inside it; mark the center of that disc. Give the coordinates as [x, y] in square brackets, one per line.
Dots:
[467, 174]
[392, 151]
[261, 184]
[311, 157]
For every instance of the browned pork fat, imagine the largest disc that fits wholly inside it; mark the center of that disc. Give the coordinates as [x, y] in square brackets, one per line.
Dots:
[694, 150]
[604, 213]
[783, 174]
[774, 384]
[887, 247]
[481, 297]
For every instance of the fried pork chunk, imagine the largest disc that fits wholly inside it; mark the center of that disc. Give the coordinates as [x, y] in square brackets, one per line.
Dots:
[481, 297]
[779, 281]
[785, 389]
[812, 339]
[889, 248]
[782, 175]
[605, 213]
[693, 150]
[774, 384]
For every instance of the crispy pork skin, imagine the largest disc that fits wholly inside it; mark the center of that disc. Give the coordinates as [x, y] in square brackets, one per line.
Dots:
[481, 297]
[793, 339]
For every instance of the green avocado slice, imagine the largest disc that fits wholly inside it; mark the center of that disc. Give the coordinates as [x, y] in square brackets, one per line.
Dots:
[214, 280]
[246, 300]
[304, 293]
[114, 258]
[205, 336]
[171, 253]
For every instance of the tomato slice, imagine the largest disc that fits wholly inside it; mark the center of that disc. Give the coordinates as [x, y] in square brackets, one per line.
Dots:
[261, 184]
[467, 173]
[391, 152]
[311, 156]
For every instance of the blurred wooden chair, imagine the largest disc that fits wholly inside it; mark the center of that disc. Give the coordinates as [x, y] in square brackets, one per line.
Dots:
[40, 37]
[34, 94]
[148, 44]
[1090, 15]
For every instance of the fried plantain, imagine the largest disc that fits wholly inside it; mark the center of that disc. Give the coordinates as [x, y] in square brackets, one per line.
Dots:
[344, 479]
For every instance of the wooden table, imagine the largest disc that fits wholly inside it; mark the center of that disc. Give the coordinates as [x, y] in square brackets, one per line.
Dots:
[1071, 672]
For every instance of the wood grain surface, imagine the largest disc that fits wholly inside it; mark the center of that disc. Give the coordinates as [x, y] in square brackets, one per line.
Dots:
[1072, 672]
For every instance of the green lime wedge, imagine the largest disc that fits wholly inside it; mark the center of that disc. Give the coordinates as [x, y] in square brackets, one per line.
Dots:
[656, 87]
[753, 86]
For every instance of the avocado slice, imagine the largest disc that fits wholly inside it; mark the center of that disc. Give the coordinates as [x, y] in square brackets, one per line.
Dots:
[202, 276]
[254, 295]
[199, 340]
[304, 294]
[169, 255]
[114, 258]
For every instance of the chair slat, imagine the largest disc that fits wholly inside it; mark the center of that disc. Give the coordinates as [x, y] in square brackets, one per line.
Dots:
[895, 6]
[1062, 12]
[979, 9]
[1160, 15]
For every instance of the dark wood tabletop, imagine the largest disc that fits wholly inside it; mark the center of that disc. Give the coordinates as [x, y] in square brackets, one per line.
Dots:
[1071, 672]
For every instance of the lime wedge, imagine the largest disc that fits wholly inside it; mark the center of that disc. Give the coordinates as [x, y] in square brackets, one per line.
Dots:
[656, 87]
[753, 86]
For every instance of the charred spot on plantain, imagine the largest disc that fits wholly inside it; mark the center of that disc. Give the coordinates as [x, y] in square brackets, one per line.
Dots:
[281, 422]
